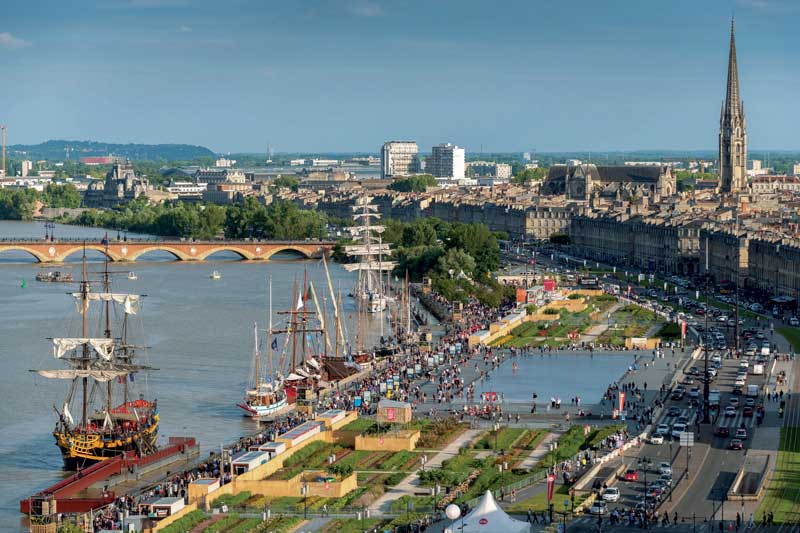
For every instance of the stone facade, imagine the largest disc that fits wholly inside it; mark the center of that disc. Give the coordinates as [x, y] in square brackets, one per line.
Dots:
[120, 187]
[581, 182]
[774, 266]
[732, 130]
[727, 255]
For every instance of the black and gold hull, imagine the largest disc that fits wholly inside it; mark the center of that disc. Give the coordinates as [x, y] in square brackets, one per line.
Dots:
[80, 450]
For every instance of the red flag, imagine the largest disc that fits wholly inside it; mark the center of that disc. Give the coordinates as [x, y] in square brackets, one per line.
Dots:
[621, 401]
[551, 483]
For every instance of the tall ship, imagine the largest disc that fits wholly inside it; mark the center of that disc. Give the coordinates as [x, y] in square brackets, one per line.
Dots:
[265, 395]
[372, 267]
[102, 415]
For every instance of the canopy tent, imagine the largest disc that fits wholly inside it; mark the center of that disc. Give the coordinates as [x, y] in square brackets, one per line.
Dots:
[487, 517]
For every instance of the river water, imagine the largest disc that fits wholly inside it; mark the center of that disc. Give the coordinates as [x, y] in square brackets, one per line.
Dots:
[199, 334]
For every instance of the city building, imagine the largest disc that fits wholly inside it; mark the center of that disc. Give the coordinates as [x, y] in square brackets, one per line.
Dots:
[579, 181]
[772, 266]
[297, 162]
[224, 175]
[723, 255]
[186, 188]
[487, 169]
[224, 163]
[27, 166]
[446, 161]
[324, 162]
[732, 130]
[773, 184]
[796, 169]
[120, 187]
[399, 158]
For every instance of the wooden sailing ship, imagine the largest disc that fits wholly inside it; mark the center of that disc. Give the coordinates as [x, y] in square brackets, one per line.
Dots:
[265, 396]
[112, 419]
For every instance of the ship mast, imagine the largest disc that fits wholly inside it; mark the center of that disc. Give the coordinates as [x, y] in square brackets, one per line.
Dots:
[107, 289]
[269, 329]
[85, 352]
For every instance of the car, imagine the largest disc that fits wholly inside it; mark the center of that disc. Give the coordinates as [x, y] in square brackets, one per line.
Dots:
[598, 508]
[672, 412]
[666, 479]
[794, 322]
[730, 411]
[734, 401]
[688, 381]
[694, 393]
[738, 390]
[665, 468]
[712, 372]
[683, 419]
[747, 412]
[677, 429]
[611, 494]
[659, 484]
[735, 444]
[723, 431]
[750, 402]
[663, 429]
[631, 475]
[694, 371]
[741, 433]
[743, 364]
[740, 381]
[656, 438]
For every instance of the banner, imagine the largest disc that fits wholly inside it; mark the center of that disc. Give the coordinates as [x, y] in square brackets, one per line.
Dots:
[551, 483]
[621, 401]
[683, 330]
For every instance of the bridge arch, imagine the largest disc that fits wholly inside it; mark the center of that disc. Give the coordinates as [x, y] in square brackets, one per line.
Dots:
[303, 250]
[66, 252]
[38, 255]
[241, 252]
[135, 253]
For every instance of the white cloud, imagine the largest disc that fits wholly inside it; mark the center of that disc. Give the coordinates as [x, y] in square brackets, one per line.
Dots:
[184, 29]
[9, 41]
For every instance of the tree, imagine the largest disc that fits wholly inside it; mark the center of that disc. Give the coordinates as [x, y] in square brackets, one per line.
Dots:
[66, 195]
[454, 262]
[289, 182]
[417, 183]
[528, 175]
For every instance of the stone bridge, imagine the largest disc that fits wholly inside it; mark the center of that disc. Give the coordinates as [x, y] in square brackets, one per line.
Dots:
[129, 250]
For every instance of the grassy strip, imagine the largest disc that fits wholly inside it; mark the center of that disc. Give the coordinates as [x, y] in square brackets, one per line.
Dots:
[792, 335]
[227, 523]
[231, 500]
[353, 525]
[499, 440]
[783, 493]
[538, 502]
[359, 424]
[186, 523]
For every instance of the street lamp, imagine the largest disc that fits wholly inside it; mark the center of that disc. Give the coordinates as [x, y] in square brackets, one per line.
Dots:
[304, 492]
[453, 512]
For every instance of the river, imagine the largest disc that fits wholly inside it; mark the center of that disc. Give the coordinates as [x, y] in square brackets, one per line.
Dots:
[199, 334]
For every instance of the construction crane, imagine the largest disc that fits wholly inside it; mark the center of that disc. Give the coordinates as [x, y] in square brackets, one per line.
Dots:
[3, 129]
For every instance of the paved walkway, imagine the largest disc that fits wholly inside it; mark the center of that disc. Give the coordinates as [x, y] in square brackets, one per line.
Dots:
[593, 332]
[410, 484]
[539, 452]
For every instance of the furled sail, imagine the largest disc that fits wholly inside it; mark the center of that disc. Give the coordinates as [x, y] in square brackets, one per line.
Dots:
[102, 346]
[67, 414]
[129, 302]
[97, 375]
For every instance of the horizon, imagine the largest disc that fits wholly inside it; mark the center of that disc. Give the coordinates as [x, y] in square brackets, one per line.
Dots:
[343, 76]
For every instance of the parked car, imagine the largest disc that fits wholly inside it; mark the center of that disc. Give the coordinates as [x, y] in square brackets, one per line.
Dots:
[598, 508]
[665, 469]
[656, 438]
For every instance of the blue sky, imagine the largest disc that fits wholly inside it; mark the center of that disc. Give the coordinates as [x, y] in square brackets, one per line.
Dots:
[345, 75]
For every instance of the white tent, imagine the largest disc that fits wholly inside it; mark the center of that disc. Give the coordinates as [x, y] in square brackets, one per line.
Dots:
[487, 517]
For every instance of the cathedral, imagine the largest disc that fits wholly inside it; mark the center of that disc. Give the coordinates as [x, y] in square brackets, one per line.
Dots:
[732, 131]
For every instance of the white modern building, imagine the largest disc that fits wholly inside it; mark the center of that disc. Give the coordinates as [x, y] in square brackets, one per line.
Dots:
[399, 158]
[446, 161]
[27, 166]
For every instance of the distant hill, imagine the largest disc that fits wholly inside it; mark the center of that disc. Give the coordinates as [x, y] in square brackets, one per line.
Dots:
[56, 150]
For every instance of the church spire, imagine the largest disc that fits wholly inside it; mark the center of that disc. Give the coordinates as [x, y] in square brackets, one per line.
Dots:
[732, 104]
[732, 129]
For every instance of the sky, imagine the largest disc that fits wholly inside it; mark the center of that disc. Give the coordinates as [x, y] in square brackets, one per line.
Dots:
[347, 75]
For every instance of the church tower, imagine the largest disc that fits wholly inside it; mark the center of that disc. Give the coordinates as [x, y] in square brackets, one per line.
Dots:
[732, 130]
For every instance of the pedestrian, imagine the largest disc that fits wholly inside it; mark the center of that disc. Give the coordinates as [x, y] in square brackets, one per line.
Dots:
[738, 521]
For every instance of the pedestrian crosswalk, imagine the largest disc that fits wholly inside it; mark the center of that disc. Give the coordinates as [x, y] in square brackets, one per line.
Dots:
[586, 522]
[737, 421]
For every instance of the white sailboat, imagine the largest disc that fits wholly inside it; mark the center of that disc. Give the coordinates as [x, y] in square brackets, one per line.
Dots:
[265, 396]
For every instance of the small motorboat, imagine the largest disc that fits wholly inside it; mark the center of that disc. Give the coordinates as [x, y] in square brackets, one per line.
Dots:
[216, 275]
[132, 276]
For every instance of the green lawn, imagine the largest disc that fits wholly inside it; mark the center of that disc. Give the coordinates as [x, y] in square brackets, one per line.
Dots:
[500, 440]
[359, 424]
[538, 502]
[792, 335]
[783, 493]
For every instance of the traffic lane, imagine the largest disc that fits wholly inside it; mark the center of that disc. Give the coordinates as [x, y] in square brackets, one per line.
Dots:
[710, 484]
[632, 492]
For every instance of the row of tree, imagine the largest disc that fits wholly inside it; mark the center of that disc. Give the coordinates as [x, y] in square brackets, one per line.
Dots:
[279, 220]
[20, 204]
